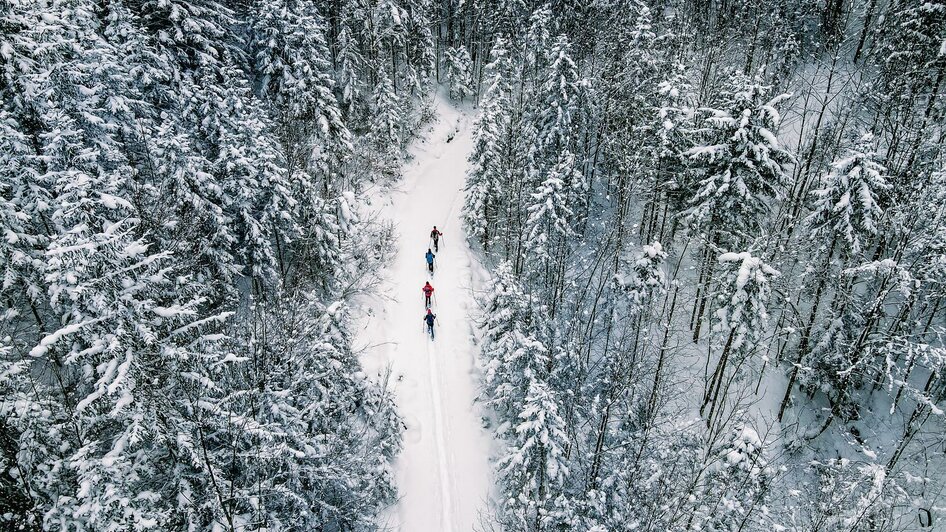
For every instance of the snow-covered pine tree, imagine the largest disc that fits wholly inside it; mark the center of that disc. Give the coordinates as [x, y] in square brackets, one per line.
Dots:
[548, 227]
[735, 489]
[293, 63]
[459, 69]
[737, 173]
[306, 429]
[511, 349]
[384, 135]
[742, 319]
[846, 207]
[739, 166]
[319, 248]
[250, 170]
[488, 174]
[534, 469]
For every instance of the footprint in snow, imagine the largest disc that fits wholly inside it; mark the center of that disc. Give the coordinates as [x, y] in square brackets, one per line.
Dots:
[413, 432]
[407, 388]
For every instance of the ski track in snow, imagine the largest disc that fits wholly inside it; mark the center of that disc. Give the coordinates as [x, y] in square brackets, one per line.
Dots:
[443, 473]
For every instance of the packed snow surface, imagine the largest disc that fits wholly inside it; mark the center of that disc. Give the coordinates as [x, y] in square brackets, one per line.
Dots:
[443, 472]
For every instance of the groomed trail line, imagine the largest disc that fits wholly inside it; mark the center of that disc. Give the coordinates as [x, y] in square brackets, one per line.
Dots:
[443, 473]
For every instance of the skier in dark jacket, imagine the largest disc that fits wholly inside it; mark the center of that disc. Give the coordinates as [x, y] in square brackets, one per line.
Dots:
[428, 291]
[435, 236]
[430, 318]
[430, 260]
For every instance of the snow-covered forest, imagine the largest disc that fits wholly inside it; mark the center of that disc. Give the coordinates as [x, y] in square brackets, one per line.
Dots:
[718, 234]
[181, 239]
[714, 234]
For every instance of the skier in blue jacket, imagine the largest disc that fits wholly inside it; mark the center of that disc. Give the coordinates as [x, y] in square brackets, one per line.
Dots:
[430, 260]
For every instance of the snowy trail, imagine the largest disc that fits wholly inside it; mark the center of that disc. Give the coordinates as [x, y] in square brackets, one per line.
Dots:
[443, 472]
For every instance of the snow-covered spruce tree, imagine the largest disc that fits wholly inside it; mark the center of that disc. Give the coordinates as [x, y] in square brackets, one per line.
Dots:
[250, 170]
[144, 179]
[293, 63]
[517, 364]
[113, 360]
[737, 173]
[384, 135]
[511, 350]
[227, 127]
[377, 39]
[534, 468]
[741, 322]
[349, 72]
[173, 173]
[387, 34]
[633, 66]
[193, 34]
[488, 174]
[186, 189]
[557, 115]
[673, 120]
[419, 48]
[739, 165]
[459, 73]
[538, 39]
[558, 122]
[548, 228]
[845, 217]
[846, 207]
[911, 50]
[25, 204]
[308, 439]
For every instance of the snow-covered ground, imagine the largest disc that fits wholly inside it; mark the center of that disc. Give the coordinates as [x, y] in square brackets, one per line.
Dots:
[443, 472]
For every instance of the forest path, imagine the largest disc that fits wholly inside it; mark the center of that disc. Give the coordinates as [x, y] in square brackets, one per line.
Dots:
[443, 473]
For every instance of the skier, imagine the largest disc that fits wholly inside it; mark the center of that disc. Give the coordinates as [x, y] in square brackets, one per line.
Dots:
[435, 235]
[429, 318]
[430, 260]
[428, 291]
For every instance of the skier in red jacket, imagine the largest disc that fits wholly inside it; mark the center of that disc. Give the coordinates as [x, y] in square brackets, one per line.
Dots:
[428, 291]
